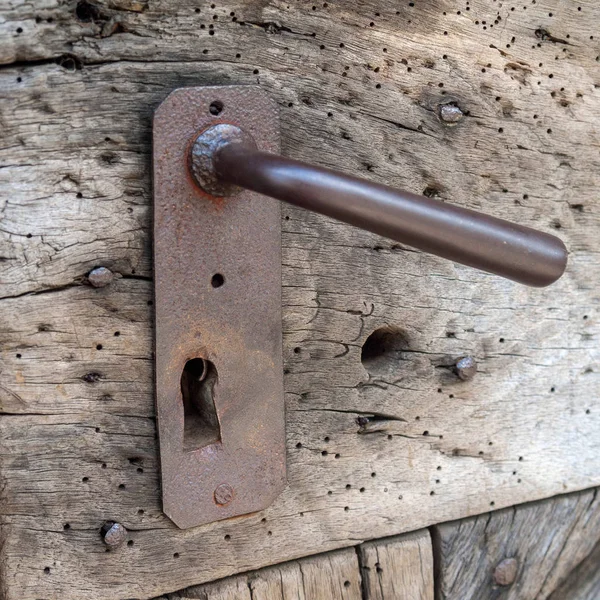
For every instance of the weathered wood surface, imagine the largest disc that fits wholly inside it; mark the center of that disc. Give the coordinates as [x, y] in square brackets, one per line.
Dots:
[540, 550]
[77, 433]
[399, 568]
[583, 583]
[553, 543]
[331, 576]
[391, 569]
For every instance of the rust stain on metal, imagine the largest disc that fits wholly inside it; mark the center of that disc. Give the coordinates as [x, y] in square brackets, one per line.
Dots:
[217, 264]
[202, 153]
[223, 494]
[217, 201]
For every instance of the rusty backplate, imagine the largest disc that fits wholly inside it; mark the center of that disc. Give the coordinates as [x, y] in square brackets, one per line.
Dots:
[217, 267]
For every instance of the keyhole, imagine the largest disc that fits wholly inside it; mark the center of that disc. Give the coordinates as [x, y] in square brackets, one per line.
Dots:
[201, 424]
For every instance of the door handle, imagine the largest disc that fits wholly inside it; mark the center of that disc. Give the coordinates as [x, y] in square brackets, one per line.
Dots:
[225, 158]
[217, 265]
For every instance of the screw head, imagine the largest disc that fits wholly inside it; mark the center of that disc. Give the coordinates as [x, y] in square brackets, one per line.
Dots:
[450, 114]
[466, 368]
[223, 494]
[113, 534]
[100, 277]
[505, 572]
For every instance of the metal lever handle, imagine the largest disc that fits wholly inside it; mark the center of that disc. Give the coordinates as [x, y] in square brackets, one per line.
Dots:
[224, 156]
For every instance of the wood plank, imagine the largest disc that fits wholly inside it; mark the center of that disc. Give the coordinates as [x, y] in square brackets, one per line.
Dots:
[232, 588]
[75, 193]
[392, 568]
[399, 568]
[472, 554]
[553, 544]
[583, 583]
[331, 576]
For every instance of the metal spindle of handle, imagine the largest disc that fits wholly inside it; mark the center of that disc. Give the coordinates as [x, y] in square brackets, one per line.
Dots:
[224, 157]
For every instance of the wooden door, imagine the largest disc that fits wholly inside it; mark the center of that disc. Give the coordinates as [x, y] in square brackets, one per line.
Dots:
[490, 105]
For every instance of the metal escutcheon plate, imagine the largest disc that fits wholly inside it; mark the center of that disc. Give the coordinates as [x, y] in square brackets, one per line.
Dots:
[217, 267]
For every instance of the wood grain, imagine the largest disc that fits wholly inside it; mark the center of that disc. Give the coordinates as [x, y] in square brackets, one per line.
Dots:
[390, 569]
[554, 543]
[554, 562]
[232, 588]
[331, 576]
[399, 568]
[374, 449]
[583, 583]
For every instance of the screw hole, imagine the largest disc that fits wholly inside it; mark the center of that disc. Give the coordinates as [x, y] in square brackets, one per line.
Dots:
[216, 108]
[217, 280]
[384, 351]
